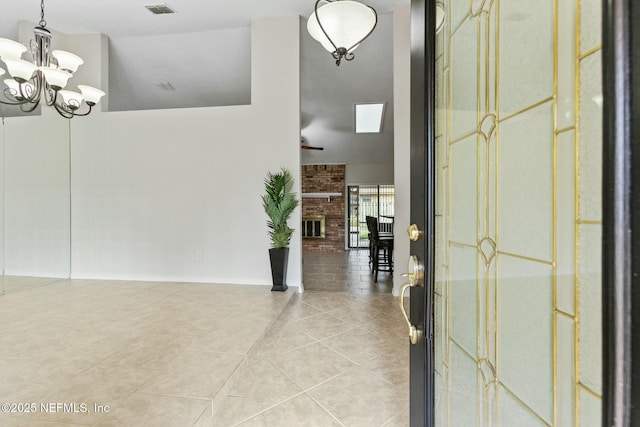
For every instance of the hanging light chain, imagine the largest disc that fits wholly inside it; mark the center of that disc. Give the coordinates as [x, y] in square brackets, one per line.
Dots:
[42, 22]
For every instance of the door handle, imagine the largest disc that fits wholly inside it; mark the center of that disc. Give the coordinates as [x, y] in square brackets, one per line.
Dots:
[415, 279]
[414, 332]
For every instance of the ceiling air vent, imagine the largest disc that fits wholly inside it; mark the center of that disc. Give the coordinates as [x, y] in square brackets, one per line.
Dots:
[159, 9]
[165, 86]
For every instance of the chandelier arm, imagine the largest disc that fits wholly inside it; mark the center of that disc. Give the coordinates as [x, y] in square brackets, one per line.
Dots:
[63, 111]
[68, 112]
[34, 96]
[27, 103]
[12, 103]
[50, 95]
[83, 114]
[30, 109]
[39, 83]
[321, 27]
[10, 97]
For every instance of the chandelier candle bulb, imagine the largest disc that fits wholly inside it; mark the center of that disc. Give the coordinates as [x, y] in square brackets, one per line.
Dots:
[71, 98]
[18, 89]
[91, 94]
[67, 60]
[10, 49]
[20, 69]
[56, 78]
[14, 86]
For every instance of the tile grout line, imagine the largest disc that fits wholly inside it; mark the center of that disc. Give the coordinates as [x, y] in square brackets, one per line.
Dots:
[325, 409]
[342, 296]
[253, 352]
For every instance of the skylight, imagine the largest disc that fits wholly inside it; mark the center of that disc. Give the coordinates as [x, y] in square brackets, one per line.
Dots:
[369, 118]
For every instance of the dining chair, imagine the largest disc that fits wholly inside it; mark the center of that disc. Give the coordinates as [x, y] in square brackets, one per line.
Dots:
[380, 249]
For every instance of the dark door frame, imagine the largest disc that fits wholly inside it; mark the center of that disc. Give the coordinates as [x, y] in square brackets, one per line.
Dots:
[621, 213]
[620, 200]
[422, 212]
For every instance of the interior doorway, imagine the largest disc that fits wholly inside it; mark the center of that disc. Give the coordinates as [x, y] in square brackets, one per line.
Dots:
[369, 200]
[335, 244]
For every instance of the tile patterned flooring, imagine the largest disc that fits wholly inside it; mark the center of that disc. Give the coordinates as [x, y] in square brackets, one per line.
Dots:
[172, 354]
[342, 271]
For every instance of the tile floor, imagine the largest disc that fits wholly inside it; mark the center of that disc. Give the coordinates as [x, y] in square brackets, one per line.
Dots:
[342, 271]
[337, 356]
[171, 354]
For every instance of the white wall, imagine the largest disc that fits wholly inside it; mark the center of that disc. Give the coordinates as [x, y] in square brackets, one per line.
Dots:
[152, 188]
[36, 172]
[373, 174]
[401, 148]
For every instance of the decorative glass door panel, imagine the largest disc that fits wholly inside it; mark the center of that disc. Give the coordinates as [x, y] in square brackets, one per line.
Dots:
[518, 214]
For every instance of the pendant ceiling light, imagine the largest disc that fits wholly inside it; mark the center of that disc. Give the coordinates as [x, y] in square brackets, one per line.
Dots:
[45, 76]
[341, 25]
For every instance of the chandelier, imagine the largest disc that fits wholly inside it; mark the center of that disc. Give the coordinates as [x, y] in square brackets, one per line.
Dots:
[341, 25]
[45, 76]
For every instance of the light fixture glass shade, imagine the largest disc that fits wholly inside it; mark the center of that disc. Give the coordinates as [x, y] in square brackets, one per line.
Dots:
[12, 84]
[346, 22]
[10, 49]
[71, 98]
[57, 79]
[67, 60]
[91, 94]
[19, 69]
[14, 88]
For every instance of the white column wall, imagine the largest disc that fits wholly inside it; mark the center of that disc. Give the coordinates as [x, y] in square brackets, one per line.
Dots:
[401, 138]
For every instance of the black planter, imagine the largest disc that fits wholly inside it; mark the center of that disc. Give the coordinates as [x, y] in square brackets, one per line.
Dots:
[279, 259]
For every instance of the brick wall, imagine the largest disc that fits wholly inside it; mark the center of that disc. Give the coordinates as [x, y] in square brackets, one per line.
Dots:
[325, 179]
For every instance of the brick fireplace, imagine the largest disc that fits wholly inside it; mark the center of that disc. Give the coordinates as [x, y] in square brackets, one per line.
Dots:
[318, 181]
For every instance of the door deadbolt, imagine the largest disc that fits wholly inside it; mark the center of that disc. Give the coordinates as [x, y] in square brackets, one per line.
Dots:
[414, 233]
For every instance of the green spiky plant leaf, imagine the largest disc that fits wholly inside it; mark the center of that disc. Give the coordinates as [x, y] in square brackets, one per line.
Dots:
[279, 202]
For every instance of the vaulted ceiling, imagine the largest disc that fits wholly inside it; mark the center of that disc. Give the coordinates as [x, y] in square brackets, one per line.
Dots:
[203, 51]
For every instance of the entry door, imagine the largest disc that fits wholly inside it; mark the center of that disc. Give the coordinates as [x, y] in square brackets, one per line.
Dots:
[506, 197]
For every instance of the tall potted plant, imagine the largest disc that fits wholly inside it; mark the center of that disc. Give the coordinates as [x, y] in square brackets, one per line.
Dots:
[279, 202]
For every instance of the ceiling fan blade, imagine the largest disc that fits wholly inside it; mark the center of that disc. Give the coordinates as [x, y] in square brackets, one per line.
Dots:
[309, 147]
